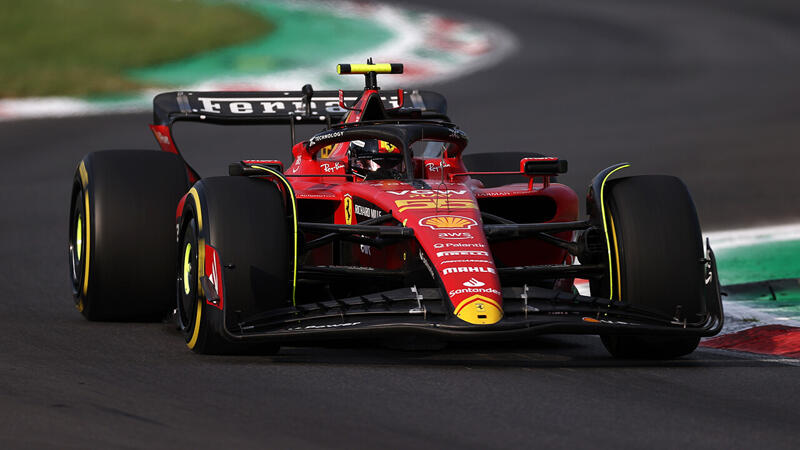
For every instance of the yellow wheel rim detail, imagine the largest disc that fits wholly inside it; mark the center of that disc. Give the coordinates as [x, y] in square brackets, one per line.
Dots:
[187, 269]
[79, 237]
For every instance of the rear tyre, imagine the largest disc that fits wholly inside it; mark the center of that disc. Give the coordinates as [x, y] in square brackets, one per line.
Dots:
[657, 253]
[244, 222]
[498, 162]
[122, 233]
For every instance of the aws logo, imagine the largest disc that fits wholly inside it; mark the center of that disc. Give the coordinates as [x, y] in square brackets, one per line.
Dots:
[455, 235]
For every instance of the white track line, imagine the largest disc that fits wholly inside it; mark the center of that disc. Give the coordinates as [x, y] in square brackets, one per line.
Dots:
[739, 316]
[751, 236]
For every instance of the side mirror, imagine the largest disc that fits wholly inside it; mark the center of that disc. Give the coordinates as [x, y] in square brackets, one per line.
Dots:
[543, 166]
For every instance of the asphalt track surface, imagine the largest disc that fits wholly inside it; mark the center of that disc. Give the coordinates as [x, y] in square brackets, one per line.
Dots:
[708, 92]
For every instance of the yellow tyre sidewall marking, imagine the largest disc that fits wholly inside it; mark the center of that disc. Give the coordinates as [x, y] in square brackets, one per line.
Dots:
[88, 244]
[196, 330]
[87, 213]
[290, 191]
[201, 254]
[605, 229]
[616, 256]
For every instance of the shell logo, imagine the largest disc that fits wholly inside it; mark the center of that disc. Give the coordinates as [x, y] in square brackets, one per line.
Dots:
[448, 222]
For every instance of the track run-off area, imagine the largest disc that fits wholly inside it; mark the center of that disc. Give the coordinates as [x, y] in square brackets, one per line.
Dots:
[707, 92]
[309, 38]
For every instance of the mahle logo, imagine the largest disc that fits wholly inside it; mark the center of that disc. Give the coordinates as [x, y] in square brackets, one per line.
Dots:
[450, 270]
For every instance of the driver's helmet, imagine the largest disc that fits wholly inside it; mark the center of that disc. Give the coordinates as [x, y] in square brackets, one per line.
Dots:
[385, 147]
[374, 156]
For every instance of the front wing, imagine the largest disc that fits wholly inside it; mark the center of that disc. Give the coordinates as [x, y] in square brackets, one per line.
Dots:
[528, 311]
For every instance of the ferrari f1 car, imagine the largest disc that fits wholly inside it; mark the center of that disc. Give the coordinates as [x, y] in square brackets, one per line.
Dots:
[382, 228]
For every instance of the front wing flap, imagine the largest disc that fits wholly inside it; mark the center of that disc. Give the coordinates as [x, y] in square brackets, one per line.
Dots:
[528, 311]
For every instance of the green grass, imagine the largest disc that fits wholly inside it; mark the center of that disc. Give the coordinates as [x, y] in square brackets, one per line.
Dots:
[770, 261]
[84, 47]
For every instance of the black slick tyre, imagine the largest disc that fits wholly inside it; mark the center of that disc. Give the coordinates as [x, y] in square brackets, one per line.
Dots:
[122, 233]
[657, 260]
[238, 225]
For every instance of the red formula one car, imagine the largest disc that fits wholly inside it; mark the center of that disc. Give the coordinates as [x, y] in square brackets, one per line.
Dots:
[382, 227]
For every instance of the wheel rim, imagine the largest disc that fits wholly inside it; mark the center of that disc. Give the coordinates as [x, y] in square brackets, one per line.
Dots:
[187, 268]
[79, 237]
[187, 278]
[76, 247]
[76, 243]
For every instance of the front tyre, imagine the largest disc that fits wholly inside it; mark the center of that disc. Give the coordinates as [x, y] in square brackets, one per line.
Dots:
[656, 260]
[201, 325]
[232, 261]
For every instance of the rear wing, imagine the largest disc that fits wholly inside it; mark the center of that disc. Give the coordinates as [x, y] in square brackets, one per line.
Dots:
[278, 107]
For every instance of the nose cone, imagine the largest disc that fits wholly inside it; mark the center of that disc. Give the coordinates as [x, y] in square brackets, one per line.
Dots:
[479, 310]
[448, 227]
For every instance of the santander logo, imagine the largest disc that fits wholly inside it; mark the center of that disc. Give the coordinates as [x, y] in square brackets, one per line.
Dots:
[472, 282]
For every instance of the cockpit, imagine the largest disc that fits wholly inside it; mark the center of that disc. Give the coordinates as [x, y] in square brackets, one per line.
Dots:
[387, 150]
